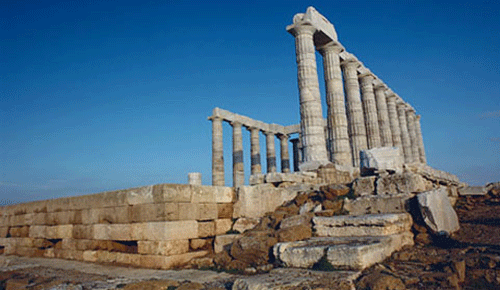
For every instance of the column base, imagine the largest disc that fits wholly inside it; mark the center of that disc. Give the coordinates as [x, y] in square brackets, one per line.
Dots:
[312, 165]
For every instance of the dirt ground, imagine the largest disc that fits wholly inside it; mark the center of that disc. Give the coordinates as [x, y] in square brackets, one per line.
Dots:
[468, 260]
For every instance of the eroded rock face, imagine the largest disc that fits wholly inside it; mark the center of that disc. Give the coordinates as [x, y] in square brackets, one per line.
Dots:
[253, 250]
[402, 183]
[437, 212]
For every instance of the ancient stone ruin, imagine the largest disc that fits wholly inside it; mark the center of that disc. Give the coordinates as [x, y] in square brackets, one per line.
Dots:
[360, 190]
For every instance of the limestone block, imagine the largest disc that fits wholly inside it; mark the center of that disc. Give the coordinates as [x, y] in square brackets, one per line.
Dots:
[197, 244]
[206, 229]
[49, 253]
[4, 231]
[63, 217]
[242, 224]
[437, 212]
[472, 190]
[90, 256]
[381, 159]
[41, 243]
[407, 182]
[223, 242]
[58, 204]
[69, 244]
[278, 177]
[82, 232]
[128, 259]
[222, 226]
[163, 248]
[364, 186]
[362, 226]
[212, 194]
[224, 210]
[40, 219]
[155, 212]
[68, 254]
[58, 232]
[377, 204]
[172, 193]
[20, 231]
[255, 201]
[188, 211]
[139, 195]
[168, 262]
[38, 232]
[161, 231]
[256, 179]
[117, 232]
[207, 211]
[302, 219]
[100, 215]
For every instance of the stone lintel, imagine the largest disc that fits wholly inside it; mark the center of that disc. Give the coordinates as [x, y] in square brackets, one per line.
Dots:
[246, 121]
[325, 32]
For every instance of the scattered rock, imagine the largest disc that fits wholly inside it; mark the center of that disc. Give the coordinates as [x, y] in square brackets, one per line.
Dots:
[243, 224]
[253, 250]
[380, 281]
[364, 186]
[437, 212]
[294, 233]
[332, 191]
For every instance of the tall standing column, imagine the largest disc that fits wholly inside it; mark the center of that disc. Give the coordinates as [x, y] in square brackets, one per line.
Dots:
[405, 136]
[357, 130]
[285, 157]
[238, 169]
[410, 119]
[256, 168]
[335, 100]
[421, 149]
[270, 152]
[394, 122]
[217, 153]
[370, 109]
[311, 120]
[295, 148]
[383, 115]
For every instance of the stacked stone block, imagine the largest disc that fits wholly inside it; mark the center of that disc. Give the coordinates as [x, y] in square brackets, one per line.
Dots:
[160, 226]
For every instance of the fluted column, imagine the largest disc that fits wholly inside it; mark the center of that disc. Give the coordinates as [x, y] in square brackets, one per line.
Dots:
[410, 119]
[383, 115]
[421, 149]
[357, 130]
[311, 120]
[405, 136]
[295, 148]
[217, 153]
[394, 122]
[337, 119]
[238, 169]
[370, 110]
[256, 168]
[285, 156]
[270, 152]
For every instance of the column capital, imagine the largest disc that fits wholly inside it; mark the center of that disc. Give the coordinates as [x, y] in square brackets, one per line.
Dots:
[331, 46]
[282, 137]
[215, 118]
[235, 123]
[299, 29]
[367, 76]
[379, 85]
[268, 133]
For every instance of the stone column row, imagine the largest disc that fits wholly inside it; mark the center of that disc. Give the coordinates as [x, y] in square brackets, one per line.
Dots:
[238, 166]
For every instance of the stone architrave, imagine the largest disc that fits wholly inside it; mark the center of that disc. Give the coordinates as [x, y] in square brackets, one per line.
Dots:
[370, 109]
[357, 130]
[256, 167]
[217, 153]
[285, 156]
[270, 152]
[410, 118]
[421, 149]
[383, 115]
[337, 118]
[394, 120]
[238, 168]
[311, 119]
[405, 136]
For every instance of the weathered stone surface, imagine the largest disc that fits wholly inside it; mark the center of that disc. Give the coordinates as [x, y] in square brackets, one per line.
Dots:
[381, 159]
[256, 179]
[164, 248]
[255, 201]
[303, 219]
[119, 232]
[332, 191]
[278, 177]
[222, 226]
[377, 204]
[437, 211]
[242, 224]
[159, 231]
[364, 225]
[207, 211]
[212, 194]
[139, 195]
[287, 279]
[206, 229]
[379, 281]
[294, 233]
[224, 242]
[253, 250]
[155, 212]
[224, 210]
[364, 186]
[407, 182]
[472, 190]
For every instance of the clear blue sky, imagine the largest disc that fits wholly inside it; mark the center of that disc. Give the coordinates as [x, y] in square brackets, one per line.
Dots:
[104, 95]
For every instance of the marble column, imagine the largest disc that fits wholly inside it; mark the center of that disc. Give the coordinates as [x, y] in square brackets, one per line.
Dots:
[285, 156]
[337, 119]
[383, 115]
[356, 121]
[410, 119]
[217, 153]
[311, 119]
[370, 110]
[270, 152]
[405, 136]
[394, 121]
[256, 167]
[421, 149]
[238, 169]
[295, 148]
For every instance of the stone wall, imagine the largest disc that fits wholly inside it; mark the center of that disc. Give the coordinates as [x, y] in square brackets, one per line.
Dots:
[159, 226]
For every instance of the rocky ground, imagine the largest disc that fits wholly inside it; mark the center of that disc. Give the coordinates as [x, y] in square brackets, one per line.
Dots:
[468, 260]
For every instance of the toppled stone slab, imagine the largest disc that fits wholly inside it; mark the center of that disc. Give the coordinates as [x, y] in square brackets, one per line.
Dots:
[287, 279]
[344, 253]
[363, 225]
[381, 159]
[434, 174]
[437, 212]
[472, 190]
[377, 204]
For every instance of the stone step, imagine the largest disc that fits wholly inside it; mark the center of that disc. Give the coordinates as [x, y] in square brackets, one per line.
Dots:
[362, 225]
[343, 253]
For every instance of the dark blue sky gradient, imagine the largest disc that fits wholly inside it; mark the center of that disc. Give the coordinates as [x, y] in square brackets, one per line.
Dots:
[103, 95]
